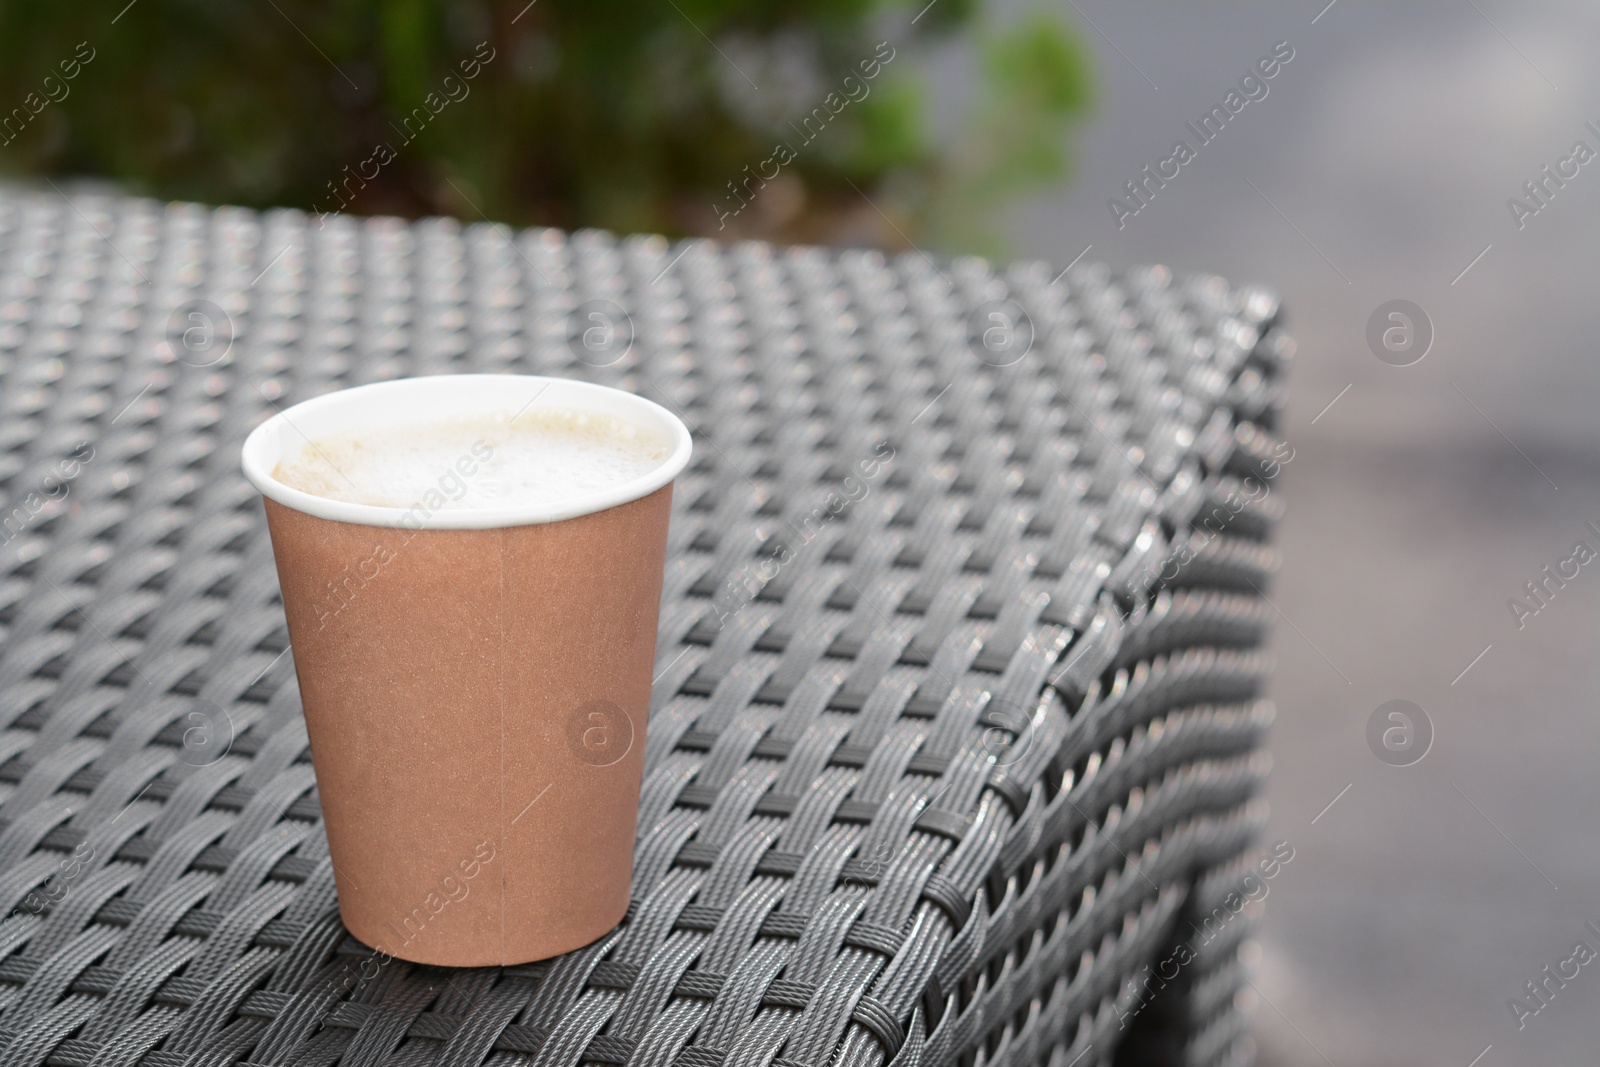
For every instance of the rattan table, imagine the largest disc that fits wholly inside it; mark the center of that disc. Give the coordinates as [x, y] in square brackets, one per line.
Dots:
[956, 727]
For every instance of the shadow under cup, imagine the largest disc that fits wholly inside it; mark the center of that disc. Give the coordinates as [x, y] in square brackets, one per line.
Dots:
[475, 681]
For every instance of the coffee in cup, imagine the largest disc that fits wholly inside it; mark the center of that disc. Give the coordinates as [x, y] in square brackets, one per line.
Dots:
[471, 568]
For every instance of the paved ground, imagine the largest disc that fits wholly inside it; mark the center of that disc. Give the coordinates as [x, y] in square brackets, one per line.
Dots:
[1378, 167]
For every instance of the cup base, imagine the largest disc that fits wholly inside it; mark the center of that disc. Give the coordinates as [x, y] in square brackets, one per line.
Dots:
[455, 952]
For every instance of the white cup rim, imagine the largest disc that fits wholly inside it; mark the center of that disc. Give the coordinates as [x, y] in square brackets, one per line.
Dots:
[386, 404]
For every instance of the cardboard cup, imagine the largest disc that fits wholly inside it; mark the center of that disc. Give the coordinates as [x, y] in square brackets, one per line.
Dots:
[475, 681]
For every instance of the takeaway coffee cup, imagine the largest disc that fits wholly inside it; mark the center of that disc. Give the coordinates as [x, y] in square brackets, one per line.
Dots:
[474, 648]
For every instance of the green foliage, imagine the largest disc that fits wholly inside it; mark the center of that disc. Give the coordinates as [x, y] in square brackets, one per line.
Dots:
[1037, 86]
[662, 115]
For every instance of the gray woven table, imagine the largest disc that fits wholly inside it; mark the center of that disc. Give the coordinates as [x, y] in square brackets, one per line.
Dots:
[936, 774]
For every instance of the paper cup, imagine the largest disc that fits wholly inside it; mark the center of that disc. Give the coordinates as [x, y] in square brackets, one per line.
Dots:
[476, 681]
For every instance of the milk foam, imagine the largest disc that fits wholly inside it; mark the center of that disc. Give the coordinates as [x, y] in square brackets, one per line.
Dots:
[542, 456]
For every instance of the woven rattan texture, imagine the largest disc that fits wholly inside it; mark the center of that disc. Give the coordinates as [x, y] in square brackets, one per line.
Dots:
[933, 769]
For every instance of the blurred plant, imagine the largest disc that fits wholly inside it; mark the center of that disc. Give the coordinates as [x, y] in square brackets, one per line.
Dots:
[633, 115]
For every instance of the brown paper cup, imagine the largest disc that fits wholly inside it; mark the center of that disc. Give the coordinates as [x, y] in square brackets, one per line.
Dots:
[476, 682]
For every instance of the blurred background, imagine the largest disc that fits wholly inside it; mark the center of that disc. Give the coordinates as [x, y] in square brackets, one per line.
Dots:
[1384, 161]
[632, 115]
